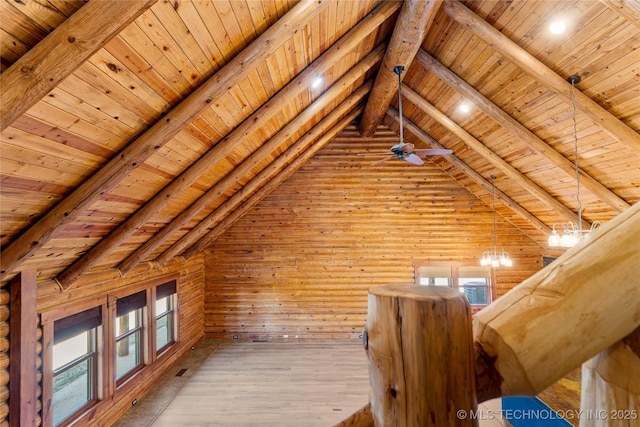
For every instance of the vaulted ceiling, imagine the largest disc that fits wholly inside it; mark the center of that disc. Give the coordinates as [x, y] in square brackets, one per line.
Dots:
[137, 131]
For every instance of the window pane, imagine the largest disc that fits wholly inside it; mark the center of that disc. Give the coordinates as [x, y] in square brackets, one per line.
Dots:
[128, 354]
[164, 332]
[71, 390]
[70, 350]
[128, 322]
[163, 305]
[476, 295]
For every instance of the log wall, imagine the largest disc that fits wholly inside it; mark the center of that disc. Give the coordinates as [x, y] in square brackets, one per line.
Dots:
[4, 355]
[189, 317]
[300, 263]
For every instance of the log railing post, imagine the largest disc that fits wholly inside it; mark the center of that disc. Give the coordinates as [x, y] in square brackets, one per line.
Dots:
[421, 357]
[611, 385]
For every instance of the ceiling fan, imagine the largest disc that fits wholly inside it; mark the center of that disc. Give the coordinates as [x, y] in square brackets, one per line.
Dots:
[402, 150]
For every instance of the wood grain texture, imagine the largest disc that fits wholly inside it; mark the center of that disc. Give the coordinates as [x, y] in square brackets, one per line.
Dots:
[592, 287]
[189, 275]
[23, 336]
[545, 76]
[58, 55]
[610, 384]
[337, 228]
[278, 383]
[145, 145]
[413, 23]
[412, 333]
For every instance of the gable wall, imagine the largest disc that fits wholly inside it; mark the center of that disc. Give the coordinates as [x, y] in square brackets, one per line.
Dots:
[300, 263]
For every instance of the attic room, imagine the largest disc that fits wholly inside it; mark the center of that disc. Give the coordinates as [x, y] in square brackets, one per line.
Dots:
[241, 180]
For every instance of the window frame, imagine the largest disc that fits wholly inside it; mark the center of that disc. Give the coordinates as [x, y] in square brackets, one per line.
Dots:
[454, 277]
[92, 357]
[167, 290]
[141, 350]
[47, 320]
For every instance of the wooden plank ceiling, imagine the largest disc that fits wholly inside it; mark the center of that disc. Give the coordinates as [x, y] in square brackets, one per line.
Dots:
[137, 131]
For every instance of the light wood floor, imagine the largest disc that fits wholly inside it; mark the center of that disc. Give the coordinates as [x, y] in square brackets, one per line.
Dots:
[288, 383]
[262, 384]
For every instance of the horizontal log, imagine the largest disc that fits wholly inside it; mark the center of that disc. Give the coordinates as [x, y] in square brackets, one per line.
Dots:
[582, 303]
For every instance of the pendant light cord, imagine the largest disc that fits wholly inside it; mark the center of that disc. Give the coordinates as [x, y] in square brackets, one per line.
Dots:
[398, 70]
[575, 147]
[493, 207]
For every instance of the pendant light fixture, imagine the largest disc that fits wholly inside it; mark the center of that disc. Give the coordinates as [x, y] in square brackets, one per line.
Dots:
[572, 233]
[493, 259]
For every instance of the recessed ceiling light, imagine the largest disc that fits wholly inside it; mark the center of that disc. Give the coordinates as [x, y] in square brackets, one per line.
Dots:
[316, 83]
[464, 107]
[558, 27]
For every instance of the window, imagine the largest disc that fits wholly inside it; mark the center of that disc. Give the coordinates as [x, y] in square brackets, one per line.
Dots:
[75, 363]
[474, 282]
[165, 315]
[129, 335]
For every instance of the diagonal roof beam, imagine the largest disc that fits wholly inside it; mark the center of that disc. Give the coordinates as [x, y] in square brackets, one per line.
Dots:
[412, 129]
[244, 169]
[544, 75]
[628, 9]
[523, 134]
[219, 151]
[269, 178]
[40, 70]
[411, 27]
[517, 176]
[155, 137]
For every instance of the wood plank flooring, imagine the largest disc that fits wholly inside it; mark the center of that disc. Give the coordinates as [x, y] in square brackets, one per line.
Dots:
[301, 383]
[281, 383]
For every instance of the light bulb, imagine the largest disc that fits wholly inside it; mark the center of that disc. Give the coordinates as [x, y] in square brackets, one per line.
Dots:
[558, 27]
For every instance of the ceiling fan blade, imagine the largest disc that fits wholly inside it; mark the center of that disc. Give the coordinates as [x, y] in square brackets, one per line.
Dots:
[407, 147]
[383, 160]
[430, 152]
[412, 158]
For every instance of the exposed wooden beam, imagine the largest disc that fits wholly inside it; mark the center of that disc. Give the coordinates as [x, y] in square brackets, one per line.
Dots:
[628, 9]
[265, 182]
[411, 128]
[40, 70]
[522, 133]
[413, 23]
[543, 75]
[222, 149]
[159, 134]
[248, 164]
[517, 176]
[589, 295]
[23, 319]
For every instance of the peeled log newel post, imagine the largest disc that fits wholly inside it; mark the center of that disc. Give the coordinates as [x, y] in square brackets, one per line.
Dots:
[421, 357]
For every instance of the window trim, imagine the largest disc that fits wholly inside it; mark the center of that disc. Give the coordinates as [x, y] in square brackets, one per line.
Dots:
[166, 289]
[140, 328]
[47, 320]
[170, 314]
